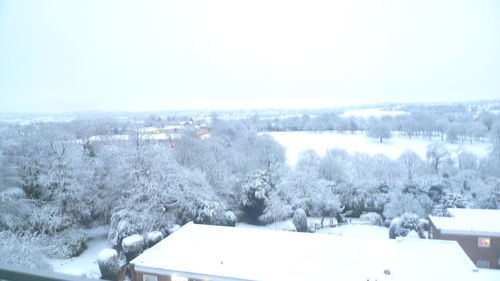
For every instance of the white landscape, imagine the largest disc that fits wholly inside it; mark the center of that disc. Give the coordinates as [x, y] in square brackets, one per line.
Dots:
[297, 142]
[250, 140]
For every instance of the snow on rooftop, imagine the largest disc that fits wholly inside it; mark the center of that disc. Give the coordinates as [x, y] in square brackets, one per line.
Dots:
[203, 251]
[469, 221]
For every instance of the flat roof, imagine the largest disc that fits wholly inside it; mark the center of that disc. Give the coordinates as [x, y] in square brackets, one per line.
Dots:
[469, 222]
[231, 253]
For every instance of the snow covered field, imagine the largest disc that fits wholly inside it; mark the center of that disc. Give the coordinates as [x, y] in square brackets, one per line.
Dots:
[296, 142]
[86, 263]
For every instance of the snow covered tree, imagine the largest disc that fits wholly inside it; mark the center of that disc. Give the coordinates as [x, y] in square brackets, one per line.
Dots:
[333, 165]
[379, 129]
[255, 192]
[450, 200]
[437, 154]
[411, 163]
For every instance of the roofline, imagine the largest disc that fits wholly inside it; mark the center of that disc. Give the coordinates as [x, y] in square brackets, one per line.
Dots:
[162, 271]
[469, 232]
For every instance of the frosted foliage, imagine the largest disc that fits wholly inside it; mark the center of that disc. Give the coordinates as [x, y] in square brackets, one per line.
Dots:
[161, 193]
[22, 251]
[256, 187]
[379, 129]
[401, 203]
[401, 226]
[450, 200]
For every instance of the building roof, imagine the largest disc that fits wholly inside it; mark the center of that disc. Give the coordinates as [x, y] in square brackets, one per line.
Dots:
[231, 253]
[469, 222]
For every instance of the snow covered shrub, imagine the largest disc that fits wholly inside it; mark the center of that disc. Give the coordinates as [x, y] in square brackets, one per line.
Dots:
[48, 219]
[300, 220]
[450, 200]
[14, 210]
[277, 208]
[109, 264]
[132, 246]
[403, 203]
[122, 224]
[229, 218]
[362, 196]
[255, 192]
[372, 218]
[401, 226]
[67, 244]
[153, 237]
[22, 251]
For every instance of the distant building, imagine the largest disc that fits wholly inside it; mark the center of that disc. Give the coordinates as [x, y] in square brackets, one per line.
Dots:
[204, 252]
[476, 230]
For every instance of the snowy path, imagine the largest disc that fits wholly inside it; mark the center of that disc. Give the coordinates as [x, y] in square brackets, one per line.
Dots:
[86, 263]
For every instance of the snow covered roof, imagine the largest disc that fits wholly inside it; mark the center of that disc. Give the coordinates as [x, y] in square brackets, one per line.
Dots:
[232, 253]
[469, 222]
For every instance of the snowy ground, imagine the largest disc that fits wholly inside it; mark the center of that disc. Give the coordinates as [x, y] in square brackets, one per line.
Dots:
[296, 142]
[356, 228]
[86, 263]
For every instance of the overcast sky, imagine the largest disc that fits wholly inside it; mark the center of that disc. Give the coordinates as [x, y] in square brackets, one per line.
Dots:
[131, 55]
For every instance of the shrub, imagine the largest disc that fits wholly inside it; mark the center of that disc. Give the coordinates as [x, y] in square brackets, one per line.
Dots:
[229, 218]
[401, 226]
[22, 251]
[109, 264]
[153, 237]
[300, 220]
[67, 244]
[132, 246]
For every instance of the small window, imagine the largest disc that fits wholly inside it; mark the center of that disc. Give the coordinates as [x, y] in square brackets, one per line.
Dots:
[483, 242]
[483, 264]
[147, 277]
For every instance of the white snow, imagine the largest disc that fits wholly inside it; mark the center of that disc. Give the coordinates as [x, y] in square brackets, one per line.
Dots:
[296, 142]
[154, 236]
[132, 242]
[87, 261]
[202, 251]
[106, 254]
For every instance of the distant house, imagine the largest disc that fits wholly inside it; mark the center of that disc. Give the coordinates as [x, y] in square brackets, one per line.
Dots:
[204, 252]
[476, 230]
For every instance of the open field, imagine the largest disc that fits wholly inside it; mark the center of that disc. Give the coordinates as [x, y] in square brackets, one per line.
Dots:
[296, 142]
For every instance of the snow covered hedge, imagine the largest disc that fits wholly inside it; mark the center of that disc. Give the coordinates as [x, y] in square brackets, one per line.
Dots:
[67, 244]
[109, 264]
[300, 220]
[153, 238]
[132, 246]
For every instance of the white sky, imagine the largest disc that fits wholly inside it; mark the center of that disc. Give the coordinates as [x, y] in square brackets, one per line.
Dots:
[131, 55]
